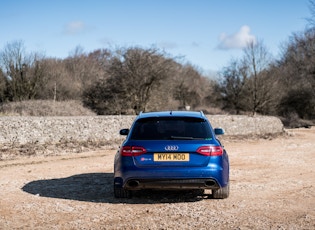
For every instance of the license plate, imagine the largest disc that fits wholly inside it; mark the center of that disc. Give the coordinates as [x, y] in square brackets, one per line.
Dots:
[171, 157]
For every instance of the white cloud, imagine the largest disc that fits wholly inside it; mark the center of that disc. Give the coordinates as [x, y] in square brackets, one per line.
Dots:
[238, 40]
[74, 27]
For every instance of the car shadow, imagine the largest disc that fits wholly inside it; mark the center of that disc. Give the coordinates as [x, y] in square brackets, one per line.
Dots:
[98, 187]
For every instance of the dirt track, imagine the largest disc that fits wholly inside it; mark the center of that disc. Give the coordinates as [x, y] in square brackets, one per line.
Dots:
[272, 187]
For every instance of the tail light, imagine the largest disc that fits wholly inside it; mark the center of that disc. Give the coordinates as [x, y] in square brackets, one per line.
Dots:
[210, 150]
[129, 151]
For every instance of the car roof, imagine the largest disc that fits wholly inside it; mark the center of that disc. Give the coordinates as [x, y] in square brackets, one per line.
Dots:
[171, 113]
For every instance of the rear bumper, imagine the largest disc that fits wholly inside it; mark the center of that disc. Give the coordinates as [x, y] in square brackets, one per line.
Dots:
[136, 184]
[212, 176]
[175, 178]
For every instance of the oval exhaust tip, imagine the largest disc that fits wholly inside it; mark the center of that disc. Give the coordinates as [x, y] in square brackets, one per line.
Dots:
[210, 183]
[133, 183]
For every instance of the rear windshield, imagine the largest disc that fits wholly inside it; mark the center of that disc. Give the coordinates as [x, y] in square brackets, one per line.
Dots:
[180, 128]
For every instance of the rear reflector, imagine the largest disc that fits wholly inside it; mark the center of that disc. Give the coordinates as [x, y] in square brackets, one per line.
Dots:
[210, 150]
[129, 151]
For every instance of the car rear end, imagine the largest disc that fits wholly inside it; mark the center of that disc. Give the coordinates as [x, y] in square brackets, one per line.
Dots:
[171, 151]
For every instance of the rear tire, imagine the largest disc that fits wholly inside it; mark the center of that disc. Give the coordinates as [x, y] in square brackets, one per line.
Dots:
[221, 193]
[121, 192]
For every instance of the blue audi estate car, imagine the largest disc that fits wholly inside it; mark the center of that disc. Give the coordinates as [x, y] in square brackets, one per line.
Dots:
[171, 150]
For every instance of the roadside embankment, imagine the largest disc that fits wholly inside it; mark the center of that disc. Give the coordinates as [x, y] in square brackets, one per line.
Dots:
[23, 130]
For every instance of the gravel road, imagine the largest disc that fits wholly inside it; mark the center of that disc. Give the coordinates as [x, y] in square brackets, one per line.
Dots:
[272, 187]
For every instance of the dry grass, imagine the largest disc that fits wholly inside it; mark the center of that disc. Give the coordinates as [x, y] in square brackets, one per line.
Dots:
[45, 108]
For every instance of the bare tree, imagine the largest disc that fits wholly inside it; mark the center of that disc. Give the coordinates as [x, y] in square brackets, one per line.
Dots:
[135, 72]
[2, 86]
[69, 78]
[232, 86]
[23, 72]
[299, 58]
[57, 83]
[189, 87]
[297, 71]
[257, 60]
[311, 19]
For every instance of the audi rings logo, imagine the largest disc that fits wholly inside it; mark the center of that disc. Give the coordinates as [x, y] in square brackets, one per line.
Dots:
[171, 148]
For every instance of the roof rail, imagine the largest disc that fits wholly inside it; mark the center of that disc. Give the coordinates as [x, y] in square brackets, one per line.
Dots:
[202, 114]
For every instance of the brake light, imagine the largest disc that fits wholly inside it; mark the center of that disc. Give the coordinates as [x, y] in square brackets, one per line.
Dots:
[210, 150]
[129, 151]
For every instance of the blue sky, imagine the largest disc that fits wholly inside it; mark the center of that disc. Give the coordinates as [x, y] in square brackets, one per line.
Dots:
[205, 33]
